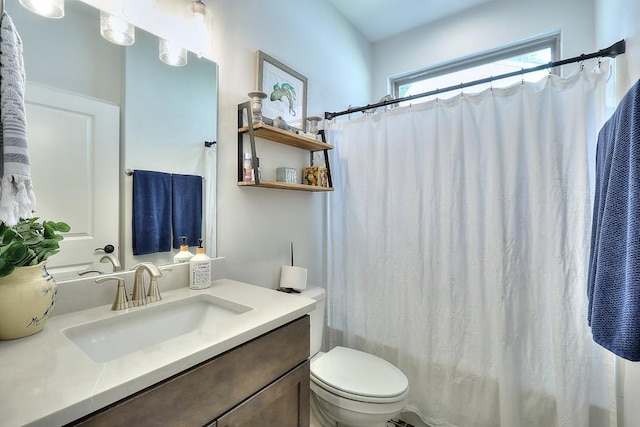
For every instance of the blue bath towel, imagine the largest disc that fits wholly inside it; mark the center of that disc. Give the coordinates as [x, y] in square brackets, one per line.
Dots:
[614, 266]
[151, 212]
[187, 208]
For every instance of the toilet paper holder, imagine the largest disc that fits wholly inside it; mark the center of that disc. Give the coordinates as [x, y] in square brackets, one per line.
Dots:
[292, 277]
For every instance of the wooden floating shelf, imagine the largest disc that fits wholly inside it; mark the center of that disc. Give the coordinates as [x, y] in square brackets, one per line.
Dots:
[285, 186]
[285, 137]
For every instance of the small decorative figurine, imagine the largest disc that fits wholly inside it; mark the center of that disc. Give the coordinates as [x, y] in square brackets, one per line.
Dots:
[280, 123]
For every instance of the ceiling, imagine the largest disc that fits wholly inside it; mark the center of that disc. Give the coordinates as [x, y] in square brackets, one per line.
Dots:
[381, 19]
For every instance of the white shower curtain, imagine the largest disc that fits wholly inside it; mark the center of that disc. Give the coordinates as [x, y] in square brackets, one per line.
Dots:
[459, 236]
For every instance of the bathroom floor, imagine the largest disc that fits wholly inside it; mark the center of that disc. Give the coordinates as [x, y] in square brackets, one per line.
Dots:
[398, 423]
[390, 423]
[315, 421]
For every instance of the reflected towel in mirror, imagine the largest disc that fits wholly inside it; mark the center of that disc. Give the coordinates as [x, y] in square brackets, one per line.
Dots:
[151, 212]
[187, 208]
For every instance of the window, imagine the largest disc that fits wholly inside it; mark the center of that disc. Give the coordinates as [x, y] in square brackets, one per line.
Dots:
[526, 54]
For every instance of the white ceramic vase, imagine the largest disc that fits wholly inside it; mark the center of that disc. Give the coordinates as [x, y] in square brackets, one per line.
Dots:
[27, 297]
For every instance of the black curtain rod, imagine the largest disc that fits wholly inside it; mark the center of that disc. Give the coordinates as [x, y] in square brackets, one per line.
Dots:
[611, 52]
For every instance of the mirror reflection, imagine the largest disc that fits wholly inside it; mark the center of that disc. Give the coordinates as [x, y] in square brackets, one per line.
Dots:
[95, 109]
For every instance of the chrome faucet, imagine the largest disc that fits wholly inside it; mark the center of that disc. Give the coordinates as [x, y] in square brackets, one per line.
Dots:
[138, 297]
[115, 262]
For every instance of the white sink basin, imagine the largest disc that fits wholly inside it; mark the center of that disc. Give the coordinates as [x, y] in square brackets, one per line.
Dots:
[110, 338]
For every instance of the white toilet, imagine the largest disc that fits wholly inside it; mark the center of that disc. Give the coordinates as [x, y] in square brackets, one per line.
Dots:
[350, 388]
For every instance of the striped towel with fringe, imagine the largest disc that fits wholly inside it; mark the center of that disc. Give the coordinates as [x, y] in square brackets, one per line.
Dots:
[17, 199]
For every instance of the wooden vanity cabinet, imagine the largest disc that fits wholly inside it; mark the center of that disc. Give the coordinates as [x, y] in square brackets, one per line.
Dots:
[262, 382]
[285, 403]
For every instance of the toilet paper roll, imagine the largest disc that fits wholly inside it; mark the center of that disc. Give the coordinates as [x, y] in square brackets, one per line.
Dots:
[293, 277]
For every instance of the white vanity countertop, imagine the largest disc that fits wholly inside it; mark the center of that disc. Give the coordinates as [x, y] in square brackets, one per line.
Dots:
[46, 380]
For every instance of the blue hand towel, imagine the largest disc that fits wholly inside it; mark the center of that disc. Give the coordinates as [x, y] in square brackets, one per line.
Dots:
[187, 208]
[614, 265]
[151, 212]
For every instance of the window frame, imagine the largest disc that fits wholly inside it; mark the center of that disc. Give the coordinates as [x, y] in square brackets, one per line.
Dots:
[550, 40]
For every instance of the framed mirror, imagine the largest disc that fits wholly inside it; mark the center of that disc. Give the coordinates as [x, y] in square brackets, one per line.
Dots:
[96, 109]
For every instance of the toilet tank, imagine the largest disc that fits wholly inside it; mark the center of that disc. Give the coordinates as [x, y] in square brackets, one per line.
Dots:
[316, 317]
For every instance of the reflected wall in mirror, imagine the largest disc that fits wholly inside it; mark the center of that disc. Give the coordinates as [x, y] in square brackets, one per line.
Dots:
[95, 109]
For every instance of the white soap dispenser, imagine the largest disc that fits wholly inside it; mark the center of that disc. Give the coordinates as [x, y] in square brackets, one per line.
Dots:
[200, 269]
[184, 255]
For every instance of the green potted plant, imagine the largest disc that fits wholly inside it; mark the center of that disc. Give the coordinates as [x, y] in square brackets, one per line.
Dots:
[29, 242]
[27, 290]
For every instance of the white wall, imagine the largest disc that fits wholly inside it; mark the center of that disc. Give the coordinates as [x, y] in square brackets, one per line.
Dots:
[618, 19]
[488, 26]
[255, 225]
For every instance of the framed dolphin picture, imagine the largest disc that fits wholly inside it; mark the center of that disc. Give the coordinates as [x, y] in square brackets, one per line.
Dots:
[286, 91]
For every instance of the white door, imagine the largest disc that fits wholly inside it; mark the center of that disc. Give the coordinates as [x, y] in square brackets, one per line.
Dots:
[74, 156]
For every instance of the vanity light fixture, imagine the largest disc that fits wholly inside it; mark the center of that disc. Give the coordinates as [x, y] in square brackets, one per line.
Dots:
[116, 29]
[46, 8]
[199, 10]
[172, 54]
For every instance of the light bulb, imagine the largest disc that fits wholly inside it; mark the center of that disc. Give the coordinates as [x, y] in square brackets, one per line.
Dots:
[116, 29]
[46, 8]
[199, 10]
[172, 54]
[199, 27]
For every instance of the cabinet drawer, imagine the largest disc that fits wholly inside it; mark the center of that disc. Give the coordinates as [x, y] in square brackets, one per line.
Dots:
[204, 392]
[284, 403]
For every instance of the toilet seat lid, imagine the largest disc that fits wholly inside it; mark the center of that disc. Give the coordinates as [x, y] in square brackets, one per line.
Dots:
[358, 373]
